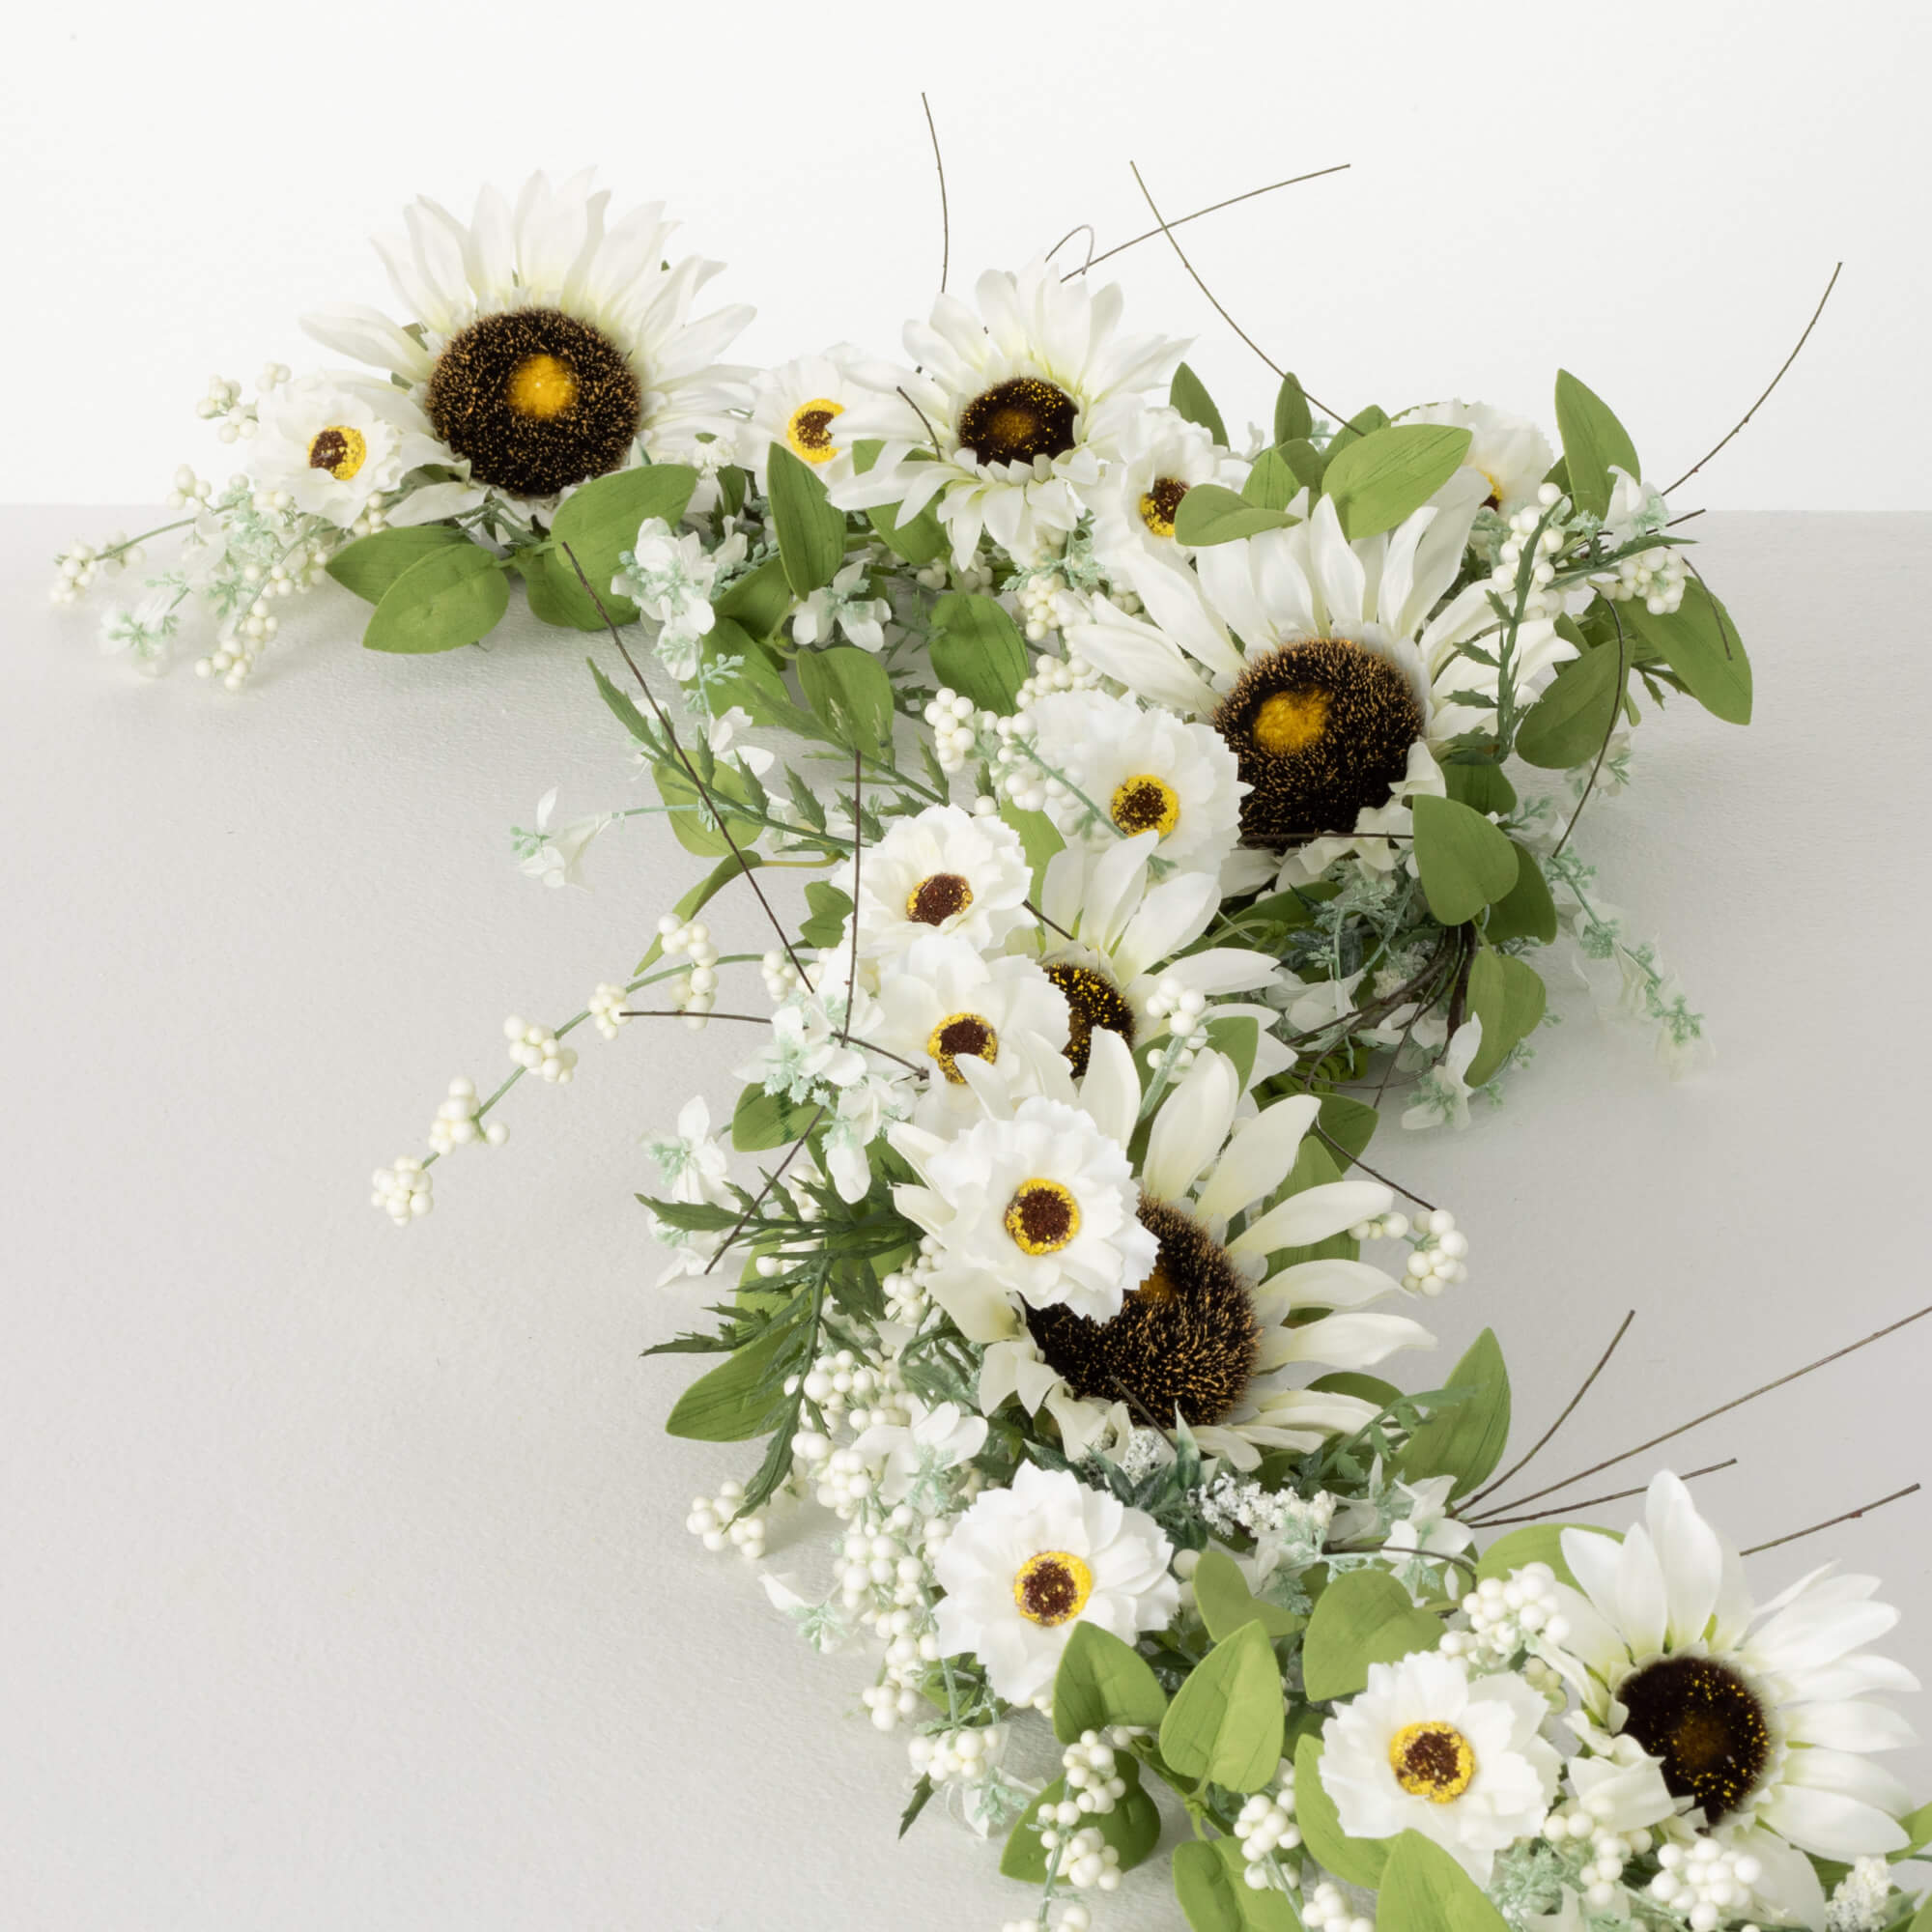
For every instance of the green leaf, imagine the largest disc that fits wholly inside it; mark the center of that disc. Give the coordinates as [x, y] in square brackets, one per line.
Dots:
[1526, 911]
[1102, 1681]
[1226, 1603]
[1424, 1890]
[760, 600]
[1350, 1123]
[1918, 1828]
[1379, 478]
[1466, 1441]
[739, 1399]
[600, 521]
[1593, 440]
[763, 1120]
[1239, 1038]
[1569, 724]
[1508, 996]
[850, 692]
[810, 530]
[1190, 399]
[1308, 463]
[1132, 1828]
[449, 598]
[1701, 645]
[1040, 838]
[1215, 1895]
[557, 598]
[976, 649]
[692, 811]
[919, 541]
[1481, 787]
[1209, 514]
[1225, 1723]
[830, 908]
[1353, 1860]
[1364, 423]
[1292, 417]
[1363, 1617]
[1464, 862]
[1272, 484]
[371, 564]
[1533, 1543]
[1364, 1388]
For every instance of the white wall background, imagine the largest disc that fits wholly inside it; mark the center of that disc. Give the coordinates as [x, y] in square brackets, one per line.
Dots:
[1652, 195]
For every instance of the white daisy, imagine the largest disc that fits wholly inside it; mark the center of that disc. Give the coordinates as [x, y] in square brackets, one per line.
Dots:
[941, 871]
[1010, 413]
[1328, 667]
[1123, 769]
[331, 441]
[796, 404]
[942, 1000]
[1760, 1715]
[1510, 453]
[1425, 1749]
[1024, 1565]
[1134, 503]
[542, 346]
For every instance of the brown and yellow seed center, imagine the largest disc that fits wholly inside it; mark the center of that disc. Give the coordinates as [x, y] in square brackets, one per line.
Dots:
[1042, 1217]
[339, 449]
[542, 386]
[808, 432]
[1018, 421]
[1052, 1587]
[1161, 504]
[1291, 720]
[1705, 1726]
[1157, 1290]
[1432, 1761]
[960, 1035]
[1144, 803]
[938, 897]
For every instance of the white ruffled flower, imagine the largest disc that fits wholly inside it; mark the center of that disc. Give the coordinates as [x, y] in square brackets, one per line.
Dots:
[671, 577]
[1024, 1565]
[334, 442]
[941, 871]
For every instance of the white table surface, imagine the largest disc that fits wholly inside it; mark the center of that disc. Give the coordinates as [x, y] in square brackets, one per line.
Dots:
[343, 1575]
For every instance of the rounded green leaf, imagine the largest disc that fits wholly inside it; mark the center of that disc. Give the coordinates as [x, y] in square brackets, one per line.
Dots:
[977, 650]
[1533, 1543]
[1380, 478]
[1212, 514]
[1466, 1439]
[1508, 996]
[1465, 863]
[449, 597]
[1212, 1891]
[1701, 645]
[810, 529]
[1226, 1602]
[371, 564]
[1593, 440]
[1102, 1681]
[1353, 1860]
[600, 521]
[1526, 911]
[1569, 724]
[850, 693]
[1188, 396]
[1226, 1721]
[1363, 1617]
[1424, 1890]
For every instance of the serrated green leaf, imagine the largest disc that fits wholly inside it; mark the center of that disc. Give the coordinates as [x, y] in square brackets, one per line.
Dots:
[371, 564]
[1466, 1439]
[1102, 1681]
[1508, 996]
[1383, 477]
[1353, 1860]
[1225, 1722]
[1188, 397]
[446, 598]
[1464, 860]
[739, 1399]
[1363, 1617]
[1593, 440]
[849, 692]
[1526, 911]
[978, 652]
[810, 531]
[1226, 1602]
[1701, 645]
[1424, 1890]
[1292, 417]
[1210, 514]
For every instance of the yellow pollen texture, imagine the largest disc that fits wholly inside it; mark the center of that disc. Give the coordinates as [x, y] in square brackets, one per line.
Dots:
[339, 449]
[808, 432]
[1144, 803]
[1291, 720]
[1042, 1217]
[1432, 1761]
[1052, 1587]
[542, 386]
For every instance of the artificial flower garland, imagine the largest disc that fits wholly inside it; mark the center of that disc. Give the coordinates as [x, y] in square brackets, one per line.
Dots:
[1170, 803]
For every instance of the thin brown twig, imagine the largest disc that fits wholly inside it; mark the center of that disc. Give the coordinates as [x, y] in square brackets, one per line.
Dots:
[1182, 221]
[1725, 1408]
[1079, 228]
[683, 759]
[1541, 1442]
[1355, 1160]
[944, 216]
[1044, 921]
[771, 1181]
[1833, 1521]
[1590, 1502]
[1771, 384]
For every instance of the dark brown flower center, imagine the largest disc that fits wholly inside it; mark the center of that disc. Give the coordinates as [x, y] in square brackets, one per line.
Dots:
[1704, 1725]
[962, 1036]
[937, 898]
[1042, 1217]
[1093, 1000]
[1160, 502]
[1052, 1587]
[1019, 420]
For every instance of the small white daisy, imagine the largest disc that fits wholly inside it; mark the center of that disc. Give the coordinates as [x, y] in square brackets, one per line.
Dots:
[1135, 503]
[331, 441]
[797, 405]
[941, 871]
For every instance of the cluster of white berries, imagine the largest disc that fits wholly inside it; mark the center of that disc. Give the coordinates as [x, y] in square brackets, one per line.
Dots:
[693, 992]
[189, 491]
[1509, 1614]
[1543, 601]
[1087, 1862]
[457, 1123]
[78, 566]
[1072, 672]
[606, 1008]
[1038, 599]
[1094, 1782]
[956, 727]
[1657, 575]
[961, 1756]
[244, 635]
[1705, 1880]
[223, 405]
[782, 977]
[715, 1521]
[1437, 1247]
[1602, 1872]
[1072, 1917]
[1185, 1011]
[1326, 1909]
[907, 1296]
[940, 574]
[537, 1050]
[402, 1191]
[1265, 1825]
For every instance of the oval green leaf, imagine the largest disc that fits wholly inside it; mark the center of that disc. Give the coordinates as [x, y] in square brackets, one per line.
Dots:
[1212, 514]
[1701, 645]
[1226, 1721]
[1466, 1439]
[1508, 996]
[810, 529]
[371, 564]
[1188, 396]
[1353, 1860]
[449, 598]
[1380, 478]
[978, 652]
[1102, 1681]
[1465, 863]
[1593, 440]
[1363, 1617]
[1526, 911]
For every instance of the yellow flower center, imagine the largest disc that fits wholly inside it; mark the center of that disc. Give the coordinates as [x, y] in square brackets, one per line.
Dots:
[809, 431]
[1160, 503]
[542, 386]
[960, 1034]
[938, 897]
[1144, 803]
[1052, 1587]
[1042, 1217]
[1432, 1761]
[339, 449]
[1291, 720]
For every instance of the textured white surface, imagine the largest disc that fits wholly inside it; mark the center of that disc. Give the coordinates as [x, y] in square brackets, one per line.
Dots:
[345, 1575]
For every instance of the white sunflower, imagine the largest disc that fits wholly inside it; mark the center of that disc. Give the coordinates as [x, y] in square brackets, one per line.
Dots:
[1510, 453]
[1135, 502]
[1759, 1714]
[1425, 1747]
[1122, 769]
[941, 871]
[942, 1000]
[543, 346]
[1009, 413]
[1335, 670]
[1024, 1565]
[1215, 1332]
[797, 405]
[333, 441]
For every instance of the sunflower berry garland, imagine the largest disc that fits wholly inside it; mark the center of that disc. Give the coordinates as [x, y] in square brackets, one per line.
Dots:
[1169, 806]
